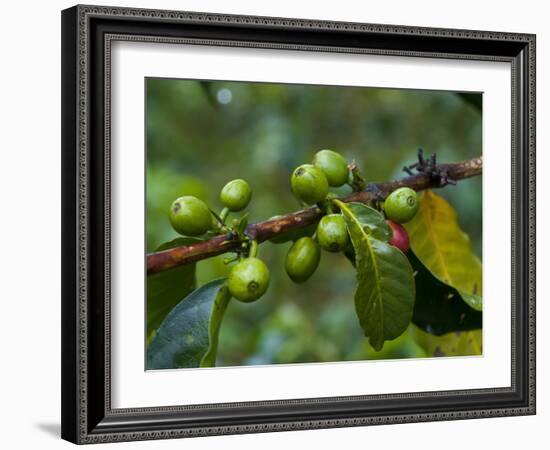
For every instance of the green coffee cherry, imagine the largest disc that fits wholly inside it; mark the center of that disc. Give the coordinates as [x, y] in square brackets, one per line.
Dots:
[333, 165]
[190, 216]
[401, 205]
[248, 279]
[236, 195]
[302, 259]
[293, 234]
[309, 184]
[332, 233]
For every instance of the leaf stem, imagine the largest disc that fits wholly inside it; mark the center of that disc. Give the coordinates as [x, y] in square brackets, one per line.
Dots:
[253, 249]
[224, 213]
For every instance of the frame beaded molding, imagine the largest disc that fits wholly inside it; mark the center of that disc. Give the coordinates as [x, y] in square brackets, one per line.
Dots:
[84, 14]
[302, 425]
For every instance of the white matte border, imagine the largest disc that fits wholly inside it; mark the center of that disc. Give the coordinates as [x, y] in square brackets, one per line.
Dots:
[132, 386]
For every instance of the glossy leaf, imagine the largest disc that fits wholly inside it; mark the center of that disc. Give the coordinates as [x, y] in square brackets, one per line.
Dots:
[349, 253]
[371, 220]
[439, 308]
[384, 298]
[188, 336]
[165, 289]
[440, 244]
[460, 343]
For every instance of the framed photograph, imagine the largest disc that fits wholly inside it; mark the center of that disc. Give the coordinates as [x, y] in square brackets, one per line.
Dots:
[281, 224]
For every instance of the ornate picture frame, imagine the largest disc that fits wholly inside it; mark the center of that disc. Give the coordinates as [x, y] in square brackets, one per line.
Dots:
[87, 35]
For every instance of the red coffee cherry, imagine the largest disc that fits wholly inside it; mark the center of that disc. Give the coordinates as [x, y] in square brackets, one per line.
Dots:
[400, 237]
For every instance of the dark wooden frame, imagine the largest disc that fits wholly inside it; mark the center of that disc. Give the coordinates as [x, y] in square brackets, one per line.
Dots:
[87, 32]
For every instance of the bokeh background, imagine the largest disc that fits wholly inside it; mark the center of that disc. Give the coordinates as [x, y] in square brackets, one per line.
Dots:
[201, 134]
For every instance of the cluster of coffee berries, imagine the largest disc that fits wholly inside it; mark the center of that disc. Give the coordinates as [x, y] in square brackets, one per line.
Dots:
[190, 216]
[249, 278]
[310, 183]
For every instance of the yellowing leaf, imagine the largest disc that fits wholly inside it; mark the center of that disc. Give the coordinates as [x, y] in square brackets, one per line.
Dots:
[460, 343]
[441, 245]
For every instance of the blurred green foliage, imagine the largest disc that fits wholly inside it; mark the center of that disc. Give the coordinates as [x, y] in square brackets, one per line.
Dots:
[202, 134]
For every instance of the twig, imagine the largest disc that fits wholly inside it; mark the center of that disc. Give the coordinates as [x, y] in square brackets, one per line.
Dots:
[441, 175]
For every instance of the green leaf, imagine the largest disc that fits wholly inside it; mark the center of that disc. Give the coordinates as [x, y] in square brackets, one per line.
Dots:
[461, 343]
[371, 220]
[349, 253]
[438, 308]
[188, 336]
[165, 289]
[444, 248]
[384, 298]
